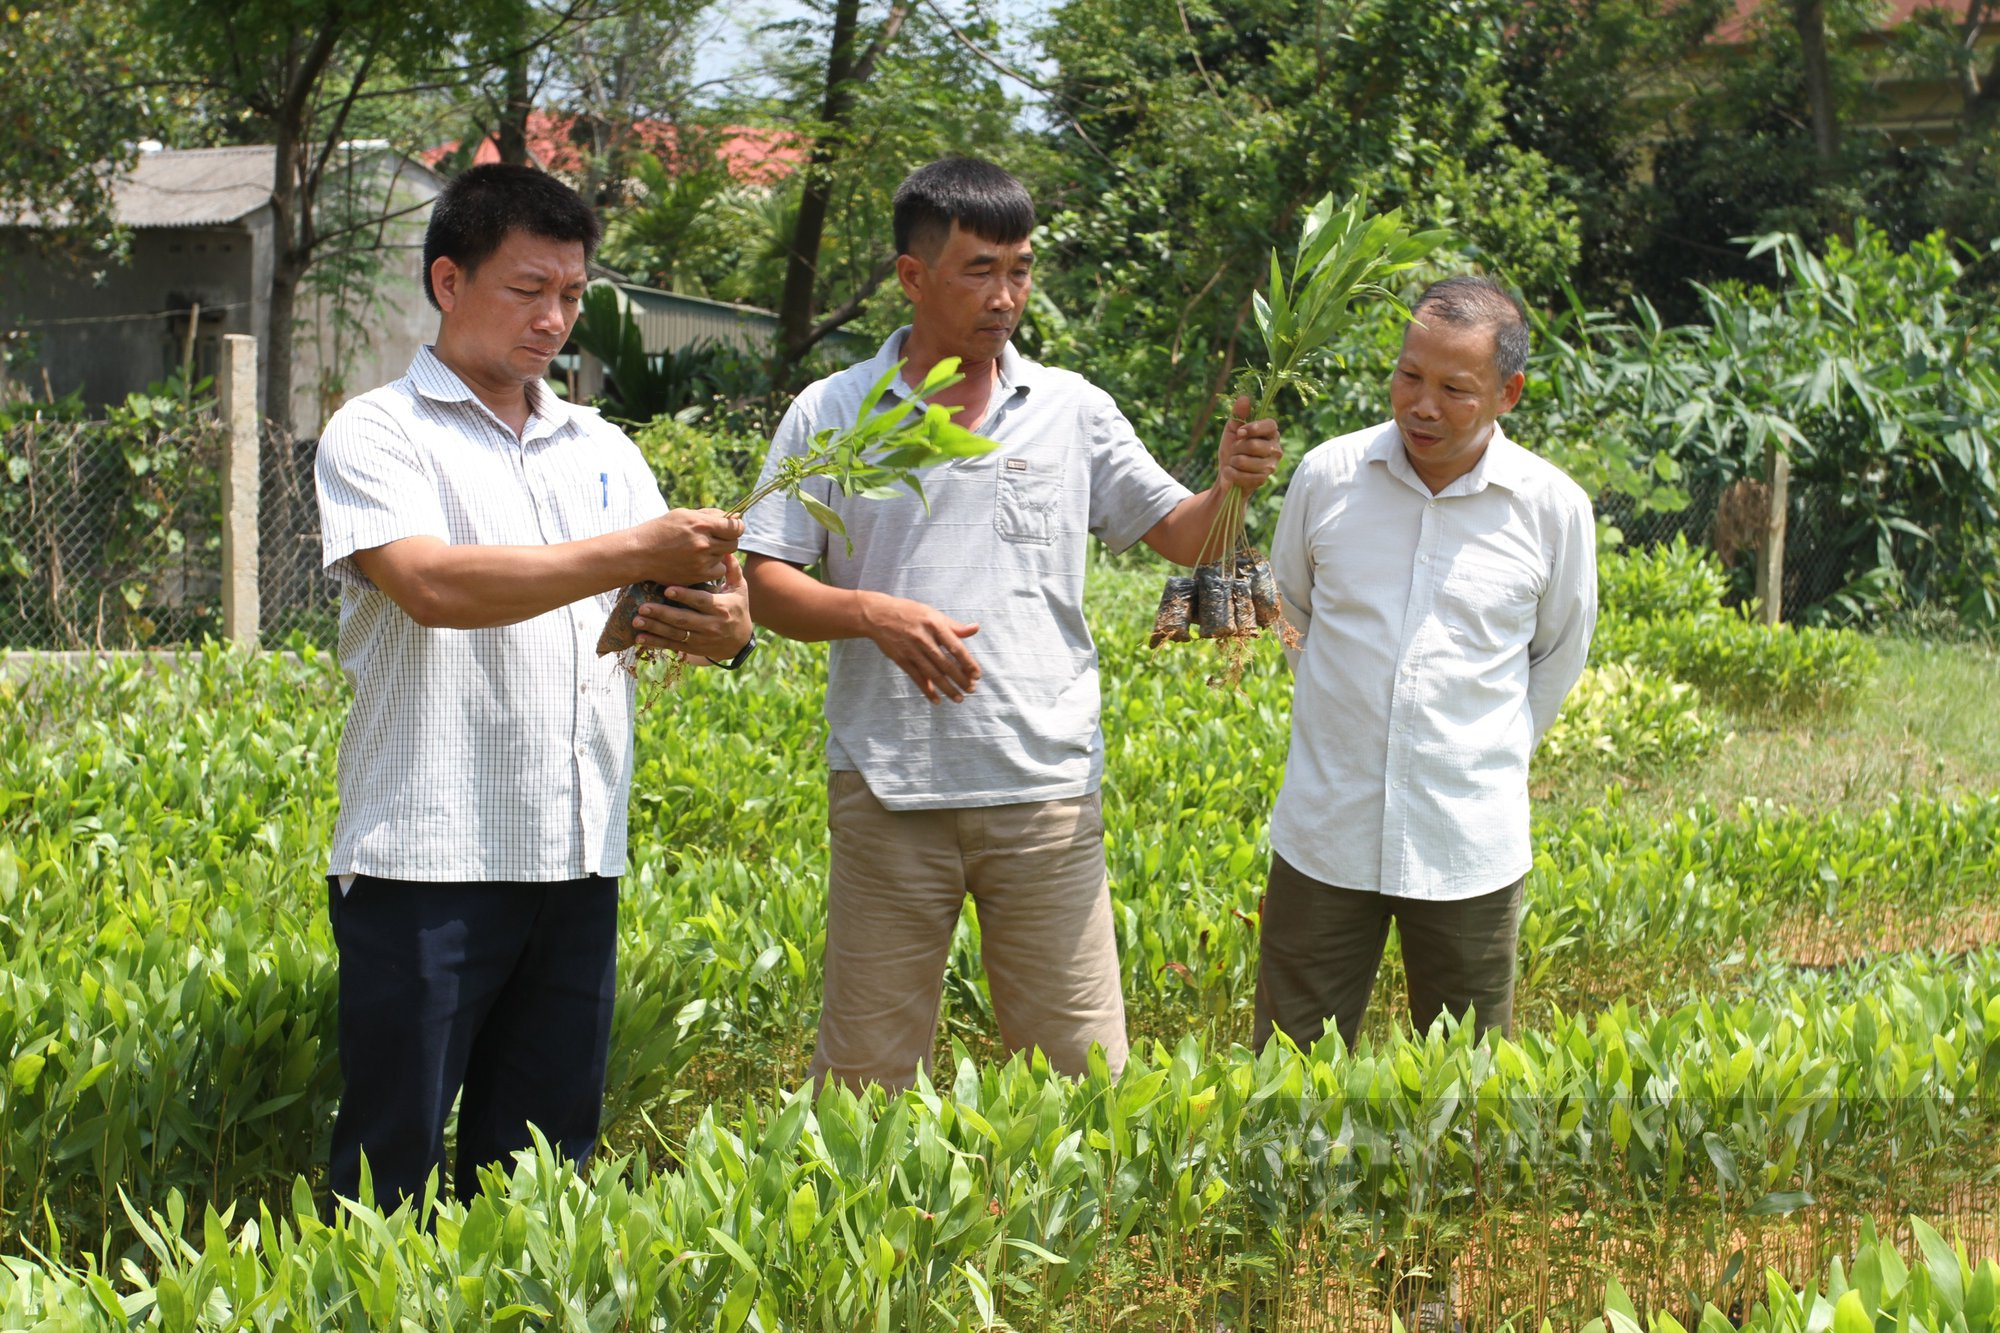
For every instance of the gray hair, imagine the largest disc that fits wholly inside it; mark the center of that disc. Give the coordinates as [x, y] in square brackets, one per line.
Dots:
[1480, 303]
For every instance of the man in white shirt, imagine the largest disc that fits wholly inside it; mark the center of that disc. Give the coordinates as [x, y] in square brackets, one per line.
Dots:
[1444, 582]
[481, 529]
[976, 598]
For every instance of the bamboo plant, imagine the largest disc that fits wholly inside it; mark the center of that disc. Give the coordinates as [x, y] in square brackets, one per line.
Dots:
[876, 457]
[1343, 257]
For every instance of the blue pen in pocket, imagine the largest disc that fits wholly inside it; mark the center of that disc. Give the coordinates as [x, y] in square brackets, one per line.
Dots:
[604, 480]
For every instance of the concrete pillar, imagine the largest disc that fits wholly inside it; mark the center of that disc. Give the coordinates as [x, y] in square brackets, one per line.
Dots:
[236, 400]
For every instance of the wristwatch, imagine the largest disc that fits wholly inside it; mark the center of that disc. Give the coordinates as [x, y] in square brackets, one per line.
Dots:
[742, 654]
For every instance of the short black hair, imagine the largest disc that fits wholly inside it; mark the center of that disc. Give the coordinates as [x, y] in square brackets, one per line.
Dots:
[474, 213]
[980, 197]
[1472, 302]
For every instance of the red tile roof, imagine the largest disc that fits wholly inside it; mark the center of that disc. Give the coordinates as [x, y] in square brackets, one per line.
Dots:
[1732, 29]
[751, 155]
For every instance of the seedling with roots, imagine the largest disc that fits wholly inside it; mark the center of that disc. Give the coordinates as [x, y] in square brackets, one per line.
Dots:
[1342, 258]
[877, 457]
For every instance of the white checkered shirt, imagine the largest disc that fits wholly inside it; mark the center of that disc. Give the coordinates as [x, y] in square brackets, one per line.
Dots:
[484, 754]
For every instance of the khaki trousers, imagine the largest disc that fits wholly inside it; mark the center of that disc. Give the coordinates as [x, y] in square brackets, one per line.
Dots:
[1319, 948]
[895, 885]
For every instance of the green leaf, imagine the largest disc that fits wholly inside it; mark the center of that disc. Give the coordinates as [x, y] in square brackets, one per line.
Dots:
[802, 1213]
[1947, 1275]
[828, 519]
[28, 1068]
[1781, 1203]
[942, 376]
[1851, 1316]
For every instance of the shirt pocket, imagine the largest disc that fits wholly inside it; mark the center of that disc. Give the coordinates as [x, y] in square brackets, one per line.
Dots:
[1027, 494]
[1490, 608]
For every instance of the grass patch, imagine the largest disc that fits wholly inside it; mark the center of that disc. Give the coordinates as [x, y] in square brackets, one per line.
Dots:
[1928, 723]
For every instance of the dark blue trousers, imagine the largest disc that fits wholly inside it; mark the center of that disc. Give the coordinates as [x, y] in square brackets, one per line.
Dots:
[503, 990]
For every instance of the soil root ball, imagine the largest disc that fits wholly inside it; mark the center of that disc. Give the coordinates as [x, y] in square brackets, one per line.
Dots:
[1212, 610]
[618, 633]
[1176, 611]
[1244, 615]
[1263, 592]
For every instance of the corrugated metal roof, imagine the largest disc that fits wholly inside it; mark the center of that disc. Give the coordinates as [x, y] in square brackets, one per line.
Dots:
[669, 321]
[196, 187]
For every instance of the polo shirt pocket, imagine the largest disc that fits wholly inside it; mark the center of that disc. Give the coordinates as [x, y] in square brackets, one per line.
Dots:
[1025, 498]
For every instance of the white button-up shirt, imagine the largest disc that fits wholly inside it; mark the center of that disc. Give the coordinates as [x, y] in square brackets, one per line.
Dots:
[485, 754]
[1441, 633]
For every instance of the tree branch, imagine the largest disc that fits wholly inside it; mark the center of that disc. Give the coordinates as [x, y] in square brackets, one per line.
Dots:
[1008, 71]
[331, 143]
[374, 220]
[864, 68]
[848, 309]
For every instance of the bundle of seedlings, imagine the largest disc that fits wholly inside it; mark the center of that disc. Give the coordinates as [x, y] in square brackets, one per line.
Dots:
[876, 457]
[1342, 257]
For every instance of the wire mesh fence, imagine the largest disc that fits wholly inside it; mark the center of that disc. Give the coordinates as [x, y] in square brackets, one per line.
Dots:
[1728, 517]
[110, 532]
[296, 599]
[110, 536]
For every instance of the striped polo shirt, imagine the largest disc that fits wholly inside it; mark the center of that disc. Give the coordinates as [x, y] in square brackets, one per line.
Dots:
[1000, 540]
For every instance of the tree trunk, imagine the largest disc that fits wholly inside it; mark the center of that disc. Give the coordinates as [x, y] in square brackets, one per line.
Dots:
[795, 306]
[285, 274]
[845, 71]
[291, 214]
[1979, 97]
[1809, 17]
[513, 131]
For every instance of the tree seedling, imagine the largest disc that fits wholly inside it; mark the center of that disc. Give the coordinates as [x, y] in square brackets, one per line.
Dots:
[877, 457]
[1342, 258]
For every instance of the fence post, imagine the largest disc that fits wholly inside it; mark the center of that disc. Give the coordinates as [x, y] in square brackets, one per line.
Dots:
[236, 398]
[1771, 550]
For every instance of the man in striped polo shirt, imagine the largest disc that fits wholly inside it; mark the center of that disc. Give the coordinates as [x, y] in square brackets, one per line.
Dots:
[962, 695]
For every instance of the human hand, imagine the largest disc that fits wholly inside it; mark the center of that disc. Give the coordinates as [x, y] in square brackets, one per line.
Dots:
[1250, 451]
[702, 623]
[684, 546]
[926, 643]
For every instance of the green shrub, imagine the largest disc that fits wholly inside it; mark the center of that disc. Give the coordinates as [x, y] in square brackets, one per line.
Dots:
[1742, 662]
[697, 466]
[1938, 1287]
[1660, 609]
[1002, 1198]
[110, 533]
[1624, 716]
[1656, 582]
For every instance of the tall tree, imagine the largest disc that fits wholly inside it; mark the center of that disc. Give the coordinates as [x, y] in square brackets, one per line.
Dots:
[68, 124]
[1193, 134]
[298, 71]
[1809, 22]
[849, 64]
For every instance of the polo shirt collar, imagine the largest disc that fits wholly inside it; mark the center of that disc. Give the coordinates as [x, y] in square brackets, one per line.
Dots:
[1017, 373]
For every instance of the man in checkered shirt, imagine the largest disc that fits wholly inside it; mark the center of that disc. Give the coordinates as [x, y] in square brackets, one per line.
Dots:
[481, 529]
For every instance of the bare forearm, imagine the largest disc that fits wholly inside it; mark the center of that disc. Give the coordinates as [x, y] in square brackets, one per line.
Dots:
[1182, 535]
[1192, 531]
[927, 645]
[791, 602]
[442, 586]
